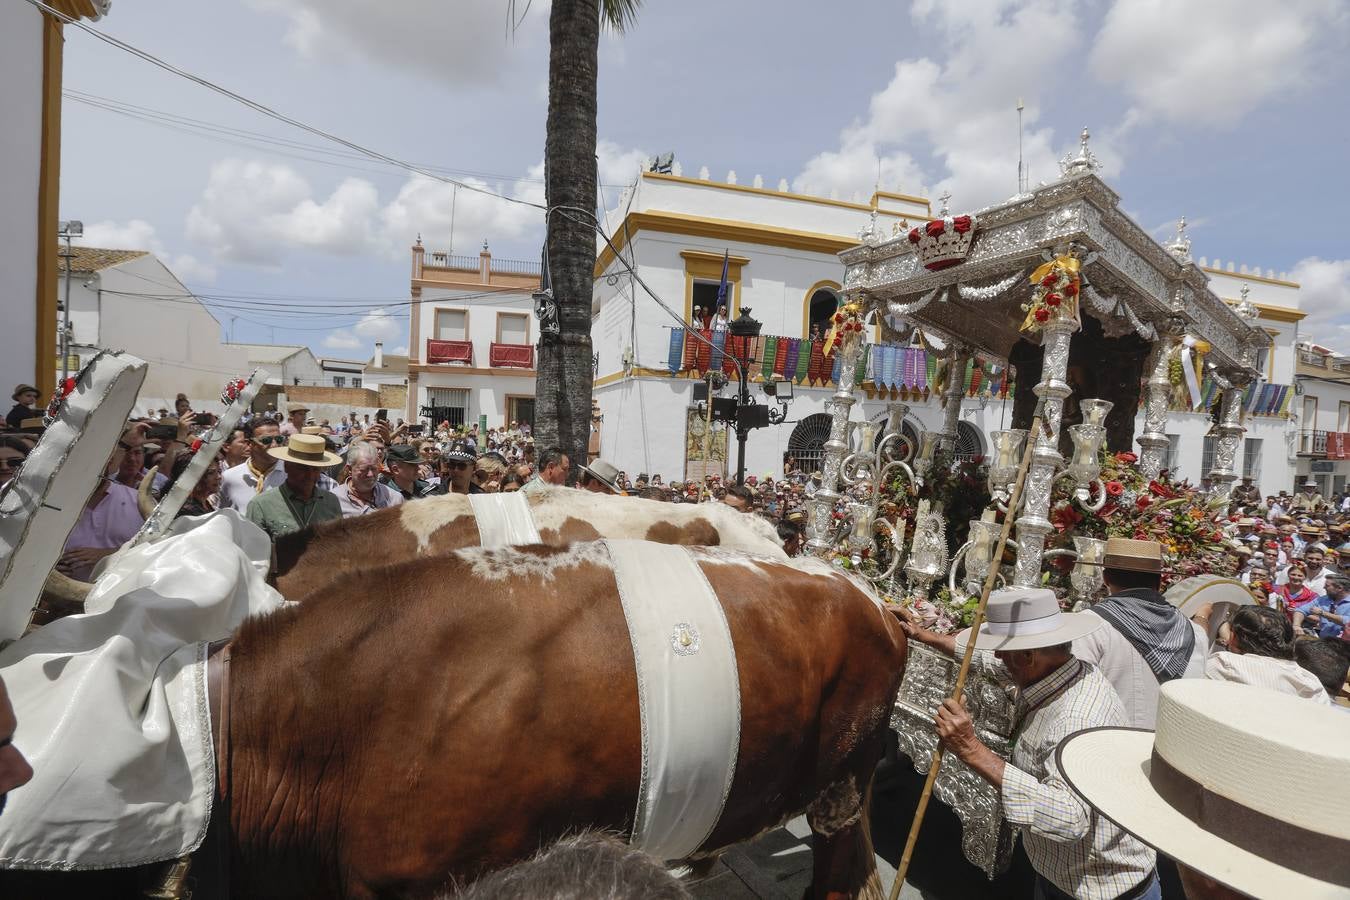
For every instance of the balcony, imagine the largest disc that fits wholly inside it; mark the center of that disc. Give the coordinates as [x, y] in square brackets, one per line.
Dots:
[1312, 443]
[511, 356]
[454, 352]
[1312, 358]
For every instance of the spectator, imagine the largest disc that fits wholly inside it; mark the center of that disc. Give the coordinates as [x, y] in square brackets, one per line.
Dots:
[362, 492]
[403, 461]
[237, 449]
[739, 498]
[14, 769]
[299, 501]
[260, 471]
[600, 477]
[512, 482]
[1314, 560]
[457, 472]
[12, 454]
[1326, 615]
[1293, 594]
[553, 468]
[25, 398]
[1261, 653]
[198, 502]
[181, 406]
[110, 518]
[295, 422]
[1328, 660]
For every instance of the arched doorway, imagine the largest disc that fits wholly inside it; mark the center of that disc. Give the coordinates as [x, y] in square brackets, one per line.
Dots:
[807, 441]
[822, 305]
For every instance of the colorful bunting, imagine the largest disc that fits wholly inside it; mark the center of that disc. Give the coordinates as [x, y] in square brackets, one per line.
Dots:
[676, 350]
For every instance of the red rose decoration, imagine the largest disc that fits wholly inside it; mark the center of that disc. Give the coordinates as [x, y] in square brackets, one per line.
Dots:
[1071, 289]
[1049, 280]
[838, 318]
[1142, 502]
[1042, 315]
[914, 235]
[961, 224]
[1052, 300]
[935, 227]
[1126, 456]
[67, 387]
[1114, 488]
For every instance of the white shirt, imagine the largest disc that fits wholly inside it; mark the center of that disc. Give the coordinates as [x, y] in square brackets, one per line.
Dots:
[1283, 675]
[238, 484]
[1118, 661]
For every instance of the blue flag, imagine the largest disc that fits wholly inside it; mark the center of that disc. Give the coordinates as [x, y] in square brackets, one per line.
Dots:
[722, 286]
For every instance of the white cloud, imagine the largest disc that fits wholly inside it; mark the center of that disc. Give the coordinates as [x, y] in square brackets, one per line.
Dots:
[138, 234]
[341, 339]
[960, 106]
[378, 325]
[1210, 62]
[452, 43]
[1325, 296]
[401, 350]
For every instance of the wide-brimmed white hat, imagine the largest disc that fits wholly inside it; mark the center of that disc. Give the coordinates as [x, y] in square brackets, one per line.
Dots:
[307, 450]
[605, 472]
[1026, 619]
[1223, 786]
[1225, 595]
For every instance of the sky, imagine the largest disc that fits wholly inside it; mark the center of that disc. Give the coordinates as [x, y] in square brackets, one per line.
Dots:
[1230, 112]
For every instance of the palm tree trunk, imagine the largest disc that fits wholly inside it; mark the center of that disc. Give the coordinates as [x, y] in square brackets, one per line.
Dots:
[564, 375]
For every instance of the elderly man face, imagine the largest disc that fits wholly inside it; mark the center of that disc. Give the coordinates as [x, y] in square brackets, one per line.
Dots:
[364, 472]
[556, 472]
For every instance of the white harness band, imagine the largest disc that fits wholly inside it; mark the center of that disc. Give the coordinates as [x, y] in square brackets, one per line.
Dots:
[504, 520]
[688, 695]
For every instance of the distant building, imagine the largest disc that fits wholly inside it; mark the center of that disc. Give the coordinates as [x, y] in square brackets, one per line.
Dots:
[129, 300]
[1323, 406]
[471, 341]
[31, 50]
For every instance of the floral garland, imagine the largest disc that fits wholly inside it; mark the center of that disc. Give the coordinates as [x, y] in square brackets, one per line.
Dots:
[63, 390]
[1054, 295]
[846, 326]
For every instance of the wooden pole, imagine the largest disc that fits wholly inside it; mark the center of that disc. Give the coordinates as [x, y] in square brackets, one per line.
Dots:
[1014, 499]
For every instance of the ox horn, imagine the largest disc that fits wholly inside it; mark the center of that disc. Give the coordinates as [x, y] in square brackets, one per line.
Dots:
[144, 501]
[63, 587]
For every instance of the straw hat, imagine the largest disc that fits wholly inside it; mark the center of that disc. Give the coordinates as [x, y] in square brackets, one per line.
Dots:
[1133, 556]
[605, 472]
[1190, 595]
[307, 450]
[1202, 789]
[1027, 619]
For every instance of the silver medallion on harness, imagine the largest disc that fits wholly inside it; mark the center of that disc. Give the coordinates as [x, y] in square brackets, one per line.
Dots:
[684, 639]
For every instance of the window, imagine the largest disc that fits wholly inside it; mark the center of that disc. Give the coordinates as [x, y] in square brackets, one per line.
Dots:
[339, 381]
[520, 409]
[824, 302]
[1207, 456]
[1251, 457]
[356, 382]
[447, 405]
[1173, 457]
[1343, 417]
[705, 299]
[513, 328]
[452, 325]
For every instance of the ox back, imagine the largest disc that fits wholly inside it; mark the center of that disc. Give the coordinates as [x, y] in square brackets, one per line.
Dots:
[449, 716]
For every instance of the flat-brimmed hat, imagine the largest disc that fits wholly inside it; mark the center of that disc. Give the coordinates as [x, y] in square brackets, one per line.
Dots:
[307, 450]
[297, 409]
[23, 389]
[1132, 556]
[1201, 788]
[605, 472]
[1027, 619]
[312, 429]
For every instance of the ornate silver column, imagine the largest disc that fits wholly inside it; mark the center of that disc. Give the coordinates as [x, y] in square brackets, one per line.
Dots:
[1034, 523]
[820, 522]
[1227, 433]
[953, 392]
[1153, 443]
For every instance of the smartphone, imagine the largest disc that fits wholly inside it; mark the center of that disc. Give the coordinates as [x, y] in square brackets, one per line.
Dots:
[205, 419]
[382, 415]
[162, 432]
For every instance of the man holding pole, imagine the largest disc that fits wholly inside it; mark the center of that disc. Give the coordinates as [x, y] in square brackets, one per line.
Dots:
[1075, 852]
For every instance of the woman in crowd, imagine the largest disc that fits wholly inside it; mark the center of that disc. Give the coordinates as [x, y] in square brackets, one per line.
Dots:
[12, 454]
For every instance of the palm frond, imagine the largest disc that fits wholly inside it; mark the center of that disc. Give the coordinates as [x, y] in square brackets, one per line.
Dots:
[619, 14]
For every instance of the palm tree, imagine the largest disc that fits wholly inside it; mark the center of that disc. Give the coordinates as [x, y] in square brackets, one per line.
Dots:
[564, 376]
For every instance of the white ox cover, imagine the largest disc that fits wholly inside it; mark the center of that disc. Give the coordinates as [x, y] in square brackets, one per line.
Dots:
[504, 520]
[112, 706]
[688, 692]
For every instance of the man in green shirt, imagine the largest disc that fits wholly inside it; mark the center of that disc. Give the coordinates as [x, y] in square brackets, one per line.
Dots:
[298, 501]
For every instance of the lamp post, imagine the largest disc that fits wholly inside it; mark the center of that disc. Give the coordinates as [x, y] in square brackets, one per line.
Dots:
[71, 229]
[745, 328]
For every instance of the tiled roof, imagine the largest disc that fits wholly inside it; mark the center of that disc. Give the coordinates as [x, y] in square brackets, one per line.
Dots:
[92, 259]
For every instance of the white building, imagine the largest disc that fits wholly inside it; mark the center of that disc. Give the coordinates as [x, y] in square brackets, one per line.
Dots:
[471, 338]
[1323, 406]
[342, 373]
[780, 253]
[31, 50]
[129, 300]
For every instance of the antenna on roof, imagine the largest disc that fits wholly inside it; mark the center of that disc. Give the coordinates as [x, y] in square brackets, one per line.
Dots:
[1021, 167]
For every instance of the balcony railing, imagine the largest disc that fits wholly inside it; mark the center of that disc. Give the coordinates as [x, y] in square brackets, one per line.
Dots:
[1309, 358]
[1312, 443]
[511, 356]
[436, 259]
[449, 261]
[459, 352]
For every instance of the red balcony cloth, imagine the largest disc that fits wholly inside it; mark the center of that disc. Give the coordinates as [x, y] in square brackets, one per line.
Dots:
[449, 351]
[704, 352]
[512, 356]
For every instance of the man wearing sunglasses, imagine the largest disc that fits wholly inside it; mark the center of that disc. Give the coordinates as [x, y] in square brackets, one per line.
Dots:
[457, 466]
[241, 483]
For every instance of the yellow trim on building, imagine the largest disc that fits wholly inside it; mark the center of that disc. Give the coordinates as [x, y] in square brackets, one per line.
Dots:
[827, 284]
[48, 212]
[1247, 276]
[1280, 313]
[721, 230]
[701, 265]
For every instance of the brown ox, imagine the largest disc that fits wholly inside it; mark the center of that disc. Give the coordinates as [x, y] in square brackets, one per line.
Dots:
[455, 714]
[330, 553]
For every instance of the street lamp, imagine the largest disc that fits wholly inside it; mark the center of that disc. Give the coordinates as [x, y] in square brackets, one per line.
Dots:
[780, 390]
[67, 230]
[749, 415]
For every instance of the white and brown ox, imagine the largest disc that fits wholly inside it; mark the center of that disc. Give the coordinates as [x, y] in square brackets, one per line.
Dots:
[455, 713]
[330, 553]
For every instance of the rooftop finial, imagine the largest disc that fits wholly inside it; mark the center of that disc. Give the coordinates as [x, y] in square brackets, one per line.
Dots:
[945, 200]
[1085, 163]
[1180, 248]
[1244, 307]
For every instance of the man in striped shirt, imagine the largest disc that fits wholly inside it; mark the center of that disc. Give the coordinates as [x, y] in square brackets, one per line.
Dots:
[1075, 852]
